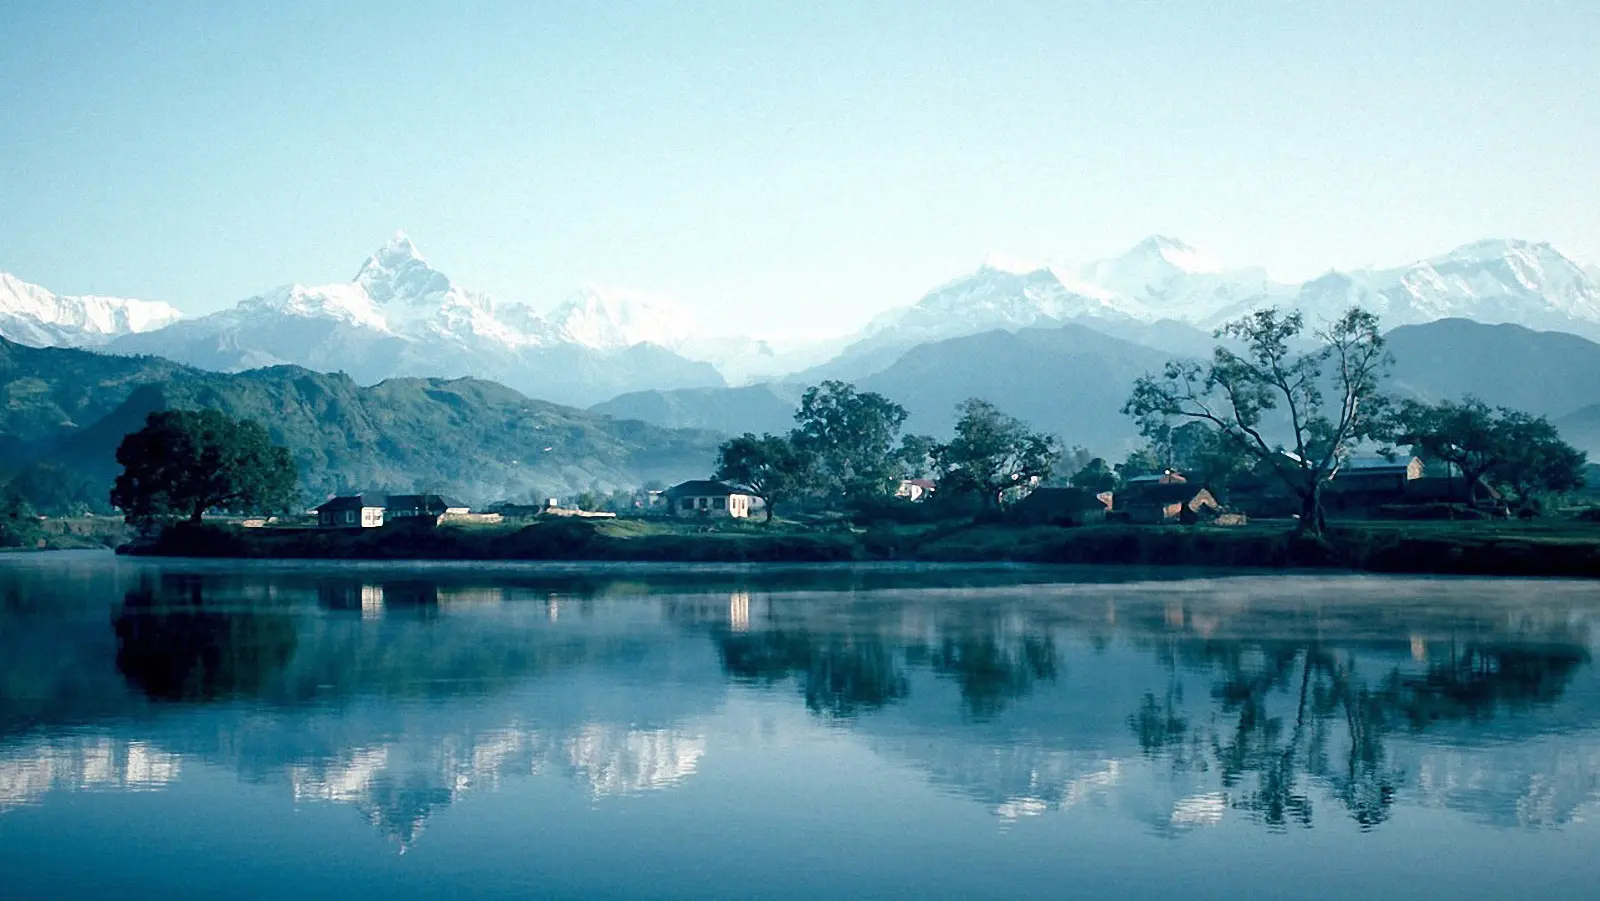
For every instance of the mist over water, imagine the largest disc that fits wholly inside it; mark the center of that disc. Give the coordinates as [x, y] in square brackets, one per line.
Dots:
[562, 731]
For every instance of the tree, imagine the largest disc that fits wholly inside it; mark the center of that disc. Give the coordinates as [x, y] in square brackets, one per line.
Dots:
[992, 452]
[1204, 455]
[19, 524]
[1234, 392]
[771, 466]
[1468, 435]
[185, 462]
[1504, 446]
[1097, 477]
[850, 436]
[916, 456]
[1142, 462]
[1537, 461]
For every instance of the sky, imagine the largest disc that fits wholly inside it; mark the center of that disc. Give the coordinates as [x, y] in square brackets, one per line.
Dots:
[778, 168]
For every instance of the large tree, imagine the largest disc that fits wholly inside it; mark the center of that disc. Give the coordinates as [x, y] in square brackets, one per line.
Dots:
[1470, 435]
[185, 462]
[1508, 448]
[992, 452]
[851, 436]
[771, 466]
[1538, 460]
[1323, 401]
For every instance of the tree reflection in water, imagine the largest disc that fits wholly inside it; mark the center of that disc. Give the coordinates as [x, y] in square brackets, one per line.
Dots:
[840, 675]
[1290, 714]
[174, 647]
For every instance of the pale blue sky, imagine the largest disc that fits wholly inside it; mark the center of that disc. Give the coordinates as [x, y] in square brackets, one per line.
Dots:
[776, 166]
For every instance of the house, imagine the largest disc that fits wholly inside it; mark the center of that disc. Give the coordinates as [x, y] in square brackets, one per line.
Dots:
[353, 511]
[1168, 477]
[1377, 473]
[423, 506]
[1161, 502]
[915, 490]
[1061, 507]
[708, 499]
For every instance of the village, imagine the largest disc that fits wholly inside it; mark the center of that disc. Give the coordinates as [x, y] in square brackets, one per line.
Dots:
[1365, 488]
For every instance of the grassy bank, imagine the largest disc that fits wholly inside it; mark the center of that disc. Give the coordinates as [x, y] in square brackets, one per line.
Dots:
[1557, 548]
[73, 533]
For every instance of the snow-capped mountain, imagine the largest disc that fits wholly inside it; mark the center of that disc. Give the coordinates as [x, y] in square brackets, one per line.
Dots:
[603, 317]
[1170, 295]
[1164, 278]
[1493, 281]
[32, 315]
[401, 317]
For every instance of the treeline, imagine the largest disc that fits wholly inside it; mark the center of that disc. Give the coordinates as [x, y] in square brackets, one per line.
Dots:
[847, 448]
[1288, 405]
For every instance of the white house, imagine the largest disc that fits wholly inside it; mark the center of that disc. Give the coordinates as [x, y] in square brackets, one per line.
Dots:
[708, 499]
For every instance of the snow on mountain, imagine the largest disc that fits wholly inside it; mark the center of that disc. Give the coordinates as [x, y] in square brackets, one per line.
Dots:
[401, 317]
[1168, 294]
[1003, 293]
[32, 315]
[604, 317]
[1167, 278]
[1491, 281]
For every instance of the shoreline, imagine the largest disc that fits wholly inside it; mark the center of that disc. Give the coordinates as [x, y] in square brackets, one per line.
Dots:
[1411, 548]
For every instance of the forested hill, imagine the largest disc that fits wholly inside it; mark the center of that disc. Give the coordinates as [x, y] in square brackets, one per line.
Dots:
[477, 439]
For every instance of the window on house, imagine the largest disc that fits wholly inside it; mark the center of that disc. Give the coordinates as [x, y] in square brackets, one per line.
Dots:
[350, 516]
[721, 502]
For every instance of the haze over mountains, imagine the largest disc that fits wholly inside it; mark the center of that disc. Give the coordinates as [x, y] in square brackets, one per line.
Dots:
[1510, 321]
[400, 316]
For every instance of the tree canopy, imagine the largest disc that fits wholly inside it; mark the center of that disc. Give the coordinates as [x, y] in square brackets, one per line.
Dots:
[1096, 476]
[771, 466]
[851, 435]
[1507, 448]
[185, 462]
[1328, 396]
[19, 524]
[993, 451]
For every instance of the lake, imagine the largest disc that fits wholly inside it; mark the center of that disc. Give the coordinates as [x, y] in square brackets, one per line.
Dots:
[186, 730]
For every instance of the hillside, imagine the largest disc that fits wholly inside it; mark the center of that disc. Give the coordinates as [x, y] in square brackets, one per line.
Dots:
[1073, 379]
[1582, 430]
[1070, 381]
[48, 394]
[477, 439]
[1546, 373]
[767, 407]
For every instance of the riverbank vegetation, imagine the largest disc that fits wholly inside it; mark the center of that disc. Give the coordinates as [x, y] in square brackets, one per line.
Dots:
[1558, 548]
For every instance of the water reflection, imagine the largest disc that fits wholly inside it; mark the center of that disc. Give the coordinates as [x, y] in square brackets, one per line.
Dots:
[1180, 706]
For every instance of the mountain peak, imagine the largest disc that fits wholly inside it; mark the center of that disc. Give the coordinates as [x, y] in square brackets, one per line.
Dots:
[1175, 253]
[1004, 262]
[399, 245]
[397, 269]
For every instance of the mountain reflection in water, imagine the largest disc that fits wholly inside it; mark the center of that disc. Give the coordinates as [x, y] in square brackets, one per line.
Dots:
[1280, 701]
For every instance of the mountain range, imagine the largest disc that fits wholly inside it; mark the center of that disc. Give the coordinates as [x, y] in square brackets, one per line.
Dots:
[401, 317]
[66, 410]
[1072, 380]
[1059, 345]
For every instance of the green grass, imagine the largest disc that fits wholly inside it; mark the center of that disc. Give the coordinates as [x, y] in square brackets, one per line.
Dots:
[1567, 548]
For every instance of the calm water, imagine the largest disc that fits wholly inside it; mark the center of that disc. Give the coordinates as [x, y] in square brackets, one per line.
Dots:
[196, 730]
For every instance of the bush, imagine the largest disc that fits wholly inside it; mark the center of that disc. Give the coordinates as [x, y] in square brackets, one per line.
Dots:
[19, 525]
